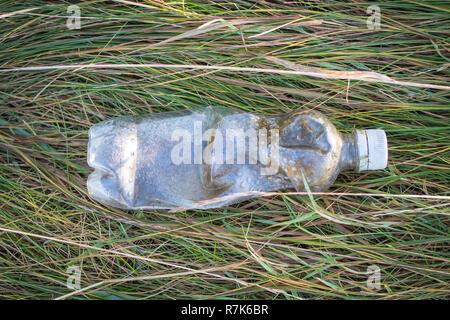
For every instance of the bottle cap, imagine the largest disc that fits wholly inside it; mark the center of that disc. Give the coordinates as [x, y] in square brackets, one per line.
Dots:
[372, 149]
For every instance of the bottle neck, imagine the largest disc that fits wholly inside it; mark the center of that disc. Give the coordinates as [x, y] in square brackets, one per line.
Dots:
[349, 157]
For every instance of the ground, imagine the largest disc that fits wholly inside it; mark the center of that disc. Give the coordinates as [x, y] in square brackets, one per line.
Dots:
[385, 236]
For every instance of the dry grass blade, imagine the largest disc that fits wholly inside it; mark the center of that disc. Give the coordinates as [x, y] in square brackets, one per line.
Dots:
[304, 71]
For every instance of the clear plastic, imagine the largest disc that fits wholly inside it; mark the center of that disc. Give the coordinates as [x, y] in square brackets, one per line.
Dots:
[213, 157]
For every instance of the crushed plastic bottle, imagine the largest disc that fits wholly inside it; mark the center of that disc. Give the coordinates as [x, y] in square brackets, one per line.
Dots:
[217, 156]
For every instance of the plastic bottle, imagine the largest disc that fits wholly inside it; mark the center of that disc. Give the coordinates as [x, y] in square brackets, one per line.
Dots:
[216, 157]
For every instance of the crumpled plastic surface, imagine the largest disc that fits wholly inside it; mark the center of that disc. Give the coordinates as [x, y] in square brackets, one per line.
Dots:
[134, 168]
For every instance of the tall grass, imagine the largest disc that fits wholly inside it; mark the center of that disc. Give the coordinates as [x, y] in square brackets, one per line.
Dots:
[278, 247]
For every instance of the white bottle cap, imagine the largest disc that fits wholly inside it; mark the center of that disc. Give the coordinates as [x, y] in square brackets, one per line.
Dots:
[372, 149]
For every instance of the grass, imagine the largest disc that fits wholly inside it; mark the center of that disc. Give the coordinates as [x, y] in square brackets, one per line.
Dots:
[279, 247]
